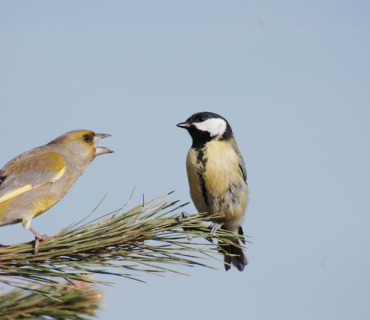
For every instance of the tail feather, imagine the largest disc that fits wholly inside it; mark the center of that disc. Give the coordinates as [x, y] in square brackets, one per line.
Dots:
[227, 262]
[234, 255]
[241, 232]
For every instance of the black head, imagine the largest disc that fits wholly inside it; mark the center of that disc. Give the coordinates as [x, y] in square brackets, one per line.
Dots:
[206, 126]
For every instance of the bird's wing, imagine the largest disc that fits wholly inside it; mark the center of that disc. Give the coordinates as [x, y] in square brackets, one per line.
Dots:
[242, 167]
[30, 170]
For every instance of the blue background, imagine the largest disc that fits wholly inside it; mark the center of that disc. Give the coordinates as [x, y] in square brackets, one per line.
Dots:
[292, 78]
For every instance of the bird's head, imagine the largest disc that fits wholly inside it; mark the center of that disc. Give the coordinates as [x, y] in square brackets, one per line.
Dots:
[82, 143]
[206, 126]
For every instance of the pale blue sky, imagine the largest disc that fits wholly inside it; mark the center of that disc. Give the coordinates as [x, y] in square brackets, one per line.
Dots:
[292, 78]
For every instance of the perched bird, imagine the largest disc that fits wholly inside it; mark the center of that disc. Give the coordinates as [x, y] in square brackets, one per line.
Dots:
[36, 180]
[218, 178]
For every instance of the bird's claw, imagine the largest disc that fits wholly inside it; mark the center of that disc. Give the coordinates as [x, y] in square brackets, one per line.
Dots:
[37, 242]
[44, 237]
[209, 239]
[38, 238]
[215, 226]
[183, 215]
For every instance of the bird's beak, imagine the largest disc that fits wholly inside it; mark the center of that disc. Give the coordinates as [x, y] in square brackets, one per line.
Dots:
[102, 150]
[183, 125]
[102, 136]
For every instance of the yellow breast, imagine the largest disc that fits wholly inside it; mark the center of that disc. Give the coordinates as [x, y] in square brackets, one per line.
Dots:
[216, 181]
[222, 167]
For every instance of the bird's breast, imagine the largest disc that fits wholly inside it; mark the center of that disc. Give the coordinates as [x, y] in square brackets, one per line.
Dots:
[216, 181]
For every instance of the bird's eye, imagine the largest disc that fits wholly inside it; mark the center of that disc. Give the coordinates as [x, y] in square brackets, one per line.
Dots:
[202, 118]
[87, 138]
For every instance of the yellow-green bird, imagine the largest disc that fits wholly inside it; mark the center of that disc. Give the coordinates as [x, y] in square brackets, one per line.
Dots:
[36, 180]
[218, 178]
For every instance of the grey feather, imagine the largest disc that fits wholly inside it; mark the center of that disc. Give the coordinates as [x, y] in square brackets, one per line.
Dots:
[242, 167]
[25, 173]
[13, 182]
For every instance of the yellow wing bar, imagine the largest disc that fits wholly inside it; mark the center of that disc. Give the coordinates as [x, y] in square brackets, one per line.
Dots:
[17, 192]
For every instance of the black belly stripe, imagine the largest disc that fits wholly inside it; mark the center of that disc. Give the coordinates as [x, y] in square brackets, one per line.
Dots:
[202, 160]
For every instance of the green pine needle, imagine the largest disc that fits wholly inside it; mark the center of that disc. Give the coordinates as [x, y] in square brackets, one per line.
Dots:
[65, 304]
[147, 239]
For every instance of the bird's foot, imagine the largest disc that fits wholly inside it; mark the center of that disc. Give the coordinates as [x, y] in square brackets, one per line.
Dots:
[38, 238]
[215, 226]
[183, 216]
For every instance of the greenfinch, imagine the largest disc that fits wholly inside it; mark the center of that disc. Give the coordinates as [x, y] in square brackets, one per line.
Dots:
[36, 180]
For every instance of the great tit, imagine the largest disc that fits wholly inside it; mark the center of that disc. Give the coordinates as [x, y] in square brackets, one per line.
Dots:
[218, 178]
[36, 180]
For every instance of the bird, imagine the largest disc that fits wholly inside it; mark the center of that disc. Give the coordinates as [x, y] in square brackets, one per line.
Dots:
[218, 179]
[36, 180]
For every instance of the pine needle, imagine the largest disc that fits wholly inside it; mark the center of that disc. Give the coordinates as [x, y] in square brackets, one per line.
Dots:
[39, 302]
[147, 239]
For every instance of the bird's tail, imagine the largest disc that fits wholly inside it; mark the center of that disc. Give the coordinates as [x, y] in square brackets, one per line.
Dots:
[233, 254]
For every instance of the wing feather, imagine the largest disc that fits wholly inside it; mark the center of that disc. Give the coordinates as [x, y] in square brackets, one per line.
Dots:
[242, 167]
[30, 170]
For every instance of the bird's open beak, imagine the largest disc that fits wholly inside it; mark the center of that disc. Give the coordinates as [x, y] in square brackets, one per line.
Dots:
[102, 136]
[102, 150]
[183, 125]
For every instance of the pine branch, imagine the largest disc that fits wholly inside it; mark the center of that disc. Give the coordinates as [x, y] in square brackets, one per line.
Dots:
[67, 303]
[148, 238]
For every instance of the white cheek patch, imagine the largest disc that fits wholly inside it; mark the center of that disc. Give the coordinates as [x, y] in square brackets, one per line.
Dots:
[215, 126]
